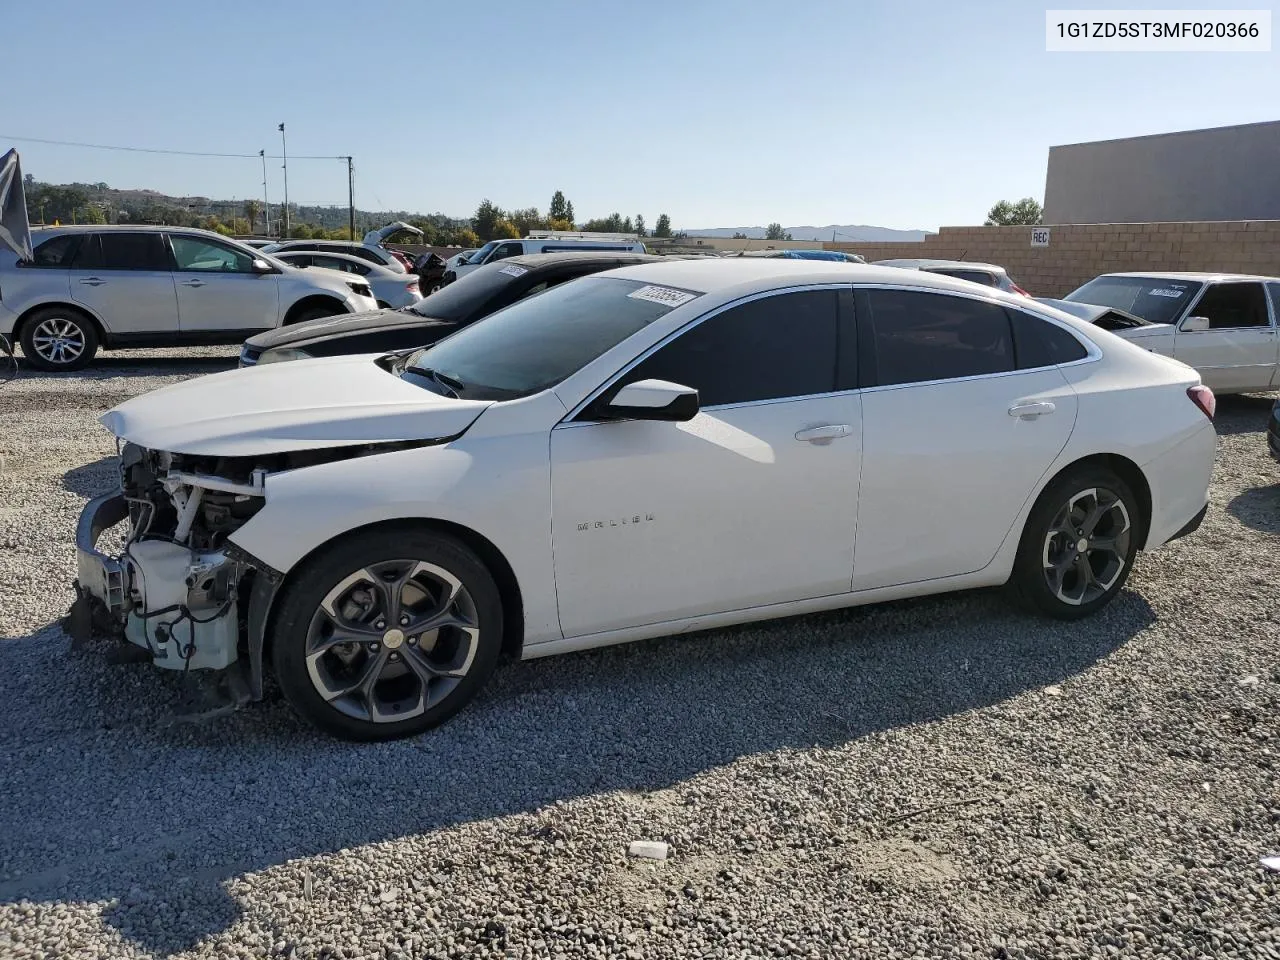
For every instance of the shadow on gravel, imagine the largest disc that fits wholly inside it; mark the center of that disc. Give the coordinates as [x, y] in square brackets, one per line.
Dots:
[111, 366]
[155, 819]
[92, 479]
[1258, 508]
[1243, 414]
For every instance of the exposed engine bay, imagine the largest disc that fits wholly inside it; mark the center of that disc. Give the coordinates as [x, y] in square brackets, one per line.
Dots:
[179, 589]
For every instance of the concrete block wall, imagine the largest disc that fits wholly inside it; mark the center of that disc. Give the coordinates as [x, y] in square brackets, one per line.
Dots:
[1079, 252]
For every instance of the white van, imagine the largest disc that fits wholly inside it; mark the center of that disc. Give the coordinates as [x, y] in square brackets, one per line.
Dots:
[501, 249]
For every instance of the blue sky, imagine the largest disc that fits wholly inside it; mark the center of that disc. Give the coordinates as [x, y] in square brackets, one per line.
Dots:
[901, 114]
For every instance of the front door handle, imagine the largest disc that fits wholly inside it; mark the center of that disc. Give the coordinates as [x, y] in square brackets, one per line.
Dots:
[825, 433]
[191, 283]
[92, 281]
[1031, 410]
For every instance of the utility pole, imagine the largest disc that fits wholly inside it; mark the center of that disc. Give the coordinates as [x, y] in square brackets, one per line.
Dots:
[266, 206]
[284, 150]
[351, 200]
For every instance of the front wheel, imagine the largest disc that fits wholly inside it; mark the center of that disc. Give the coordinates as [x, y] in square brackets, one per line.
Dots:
[381, 637]
[1078, 545]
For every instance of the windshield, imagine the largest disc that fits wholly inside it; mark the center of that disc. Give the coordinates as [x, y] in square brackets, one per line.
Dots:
[462, 299]
[482, 252]
[1154, 299]
[537, 342]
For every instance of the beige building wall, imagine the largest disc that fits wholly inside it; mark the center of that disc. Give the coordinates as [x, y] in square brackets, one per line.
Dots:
[1079, 252]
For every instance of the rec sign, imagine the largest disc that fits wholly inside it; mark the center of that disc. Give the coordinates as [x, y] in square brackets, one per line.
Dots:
[1039, 236]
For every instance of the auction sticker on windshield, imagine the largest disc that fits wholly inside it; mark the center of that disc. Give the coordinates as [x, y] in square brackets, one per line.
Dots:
[664, 295]
[514, 270]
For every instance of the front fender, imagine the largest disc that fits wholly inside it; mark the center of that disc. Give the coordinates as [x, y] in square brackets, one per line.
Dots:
[508, 504]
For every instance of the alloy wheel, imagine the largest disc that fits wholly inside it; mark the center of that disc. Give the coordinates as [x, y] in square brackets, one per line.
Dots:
[391, 640]
[1087, 546]
[58, 340]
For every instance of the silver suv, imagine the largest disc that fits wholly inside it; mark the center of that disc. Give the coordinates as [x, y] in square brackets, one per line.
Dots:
[113, 287]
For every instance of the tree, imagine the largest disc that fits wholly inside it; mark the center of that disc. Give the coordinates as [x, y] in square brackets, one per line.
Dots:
[1025, 211]
[640, 226]
[663, 228]
[561, 209]
[466, 238]
[563, 225]
[775, 232]
[299, 231]
[740, 236]
[527, 219]
[610, 224]
[505, 230]
[251, 210]
[486, 219]
[627, 226]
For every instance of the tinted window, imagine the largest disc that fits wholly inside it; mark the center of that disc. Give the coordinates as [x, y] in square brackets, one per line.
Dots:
[1039, 343]
[537, 342]
[55, 252]
[470, 293]
[1229, 305]
[975, 276]
[122, 251]
[507, 250]
[930, 336]
[780, 346]
[198, 255]
[333, 263]
[1154, 299]
[1274, 290]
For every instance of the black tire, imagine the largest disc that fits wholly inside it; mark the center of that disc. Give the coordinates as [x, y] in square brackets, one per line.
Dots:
[58, 339]
[1049, 574]
[315, 313]
[301, 627]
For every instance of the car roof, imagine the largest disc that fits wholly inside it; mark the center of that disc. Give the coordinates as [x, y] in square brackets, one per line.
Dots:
[329, 253]
[1187, 275]
[743, 276]
[535, 260]
[125, 228]
[926, 262]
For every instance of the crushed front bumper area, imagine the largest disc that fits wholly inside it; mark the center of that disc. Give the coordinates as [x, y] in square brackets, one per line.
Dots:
[179, 604]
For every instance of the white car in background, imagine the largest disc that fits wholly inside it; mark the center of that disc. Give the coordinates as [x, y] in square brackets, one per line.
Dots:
[651, 450]
[116, 286]
[1223, 324]
[390, 289]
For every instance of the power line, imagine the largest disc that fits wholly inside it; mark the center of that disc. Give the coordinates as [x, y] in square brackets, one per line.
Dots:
[181, 153]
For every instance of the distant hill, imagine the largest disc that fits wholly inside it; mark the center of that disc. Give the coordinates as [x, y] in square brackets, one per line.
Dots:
[846, 231]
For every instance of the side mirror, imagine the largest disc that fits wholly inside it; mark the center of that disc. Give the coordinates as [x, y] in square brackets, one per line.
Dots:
[1195, 324]
[261, 266]
[652, 400]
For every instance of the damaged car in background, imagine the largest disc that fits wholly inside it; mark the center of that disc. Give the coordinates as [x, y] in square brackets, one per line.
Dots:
[574, 470]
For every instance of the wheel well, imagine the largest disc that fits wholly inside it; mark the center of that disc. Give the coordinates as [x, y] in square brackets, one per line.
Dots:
[1131, 474]
[307, 303]
[490, 556]
[80, 311]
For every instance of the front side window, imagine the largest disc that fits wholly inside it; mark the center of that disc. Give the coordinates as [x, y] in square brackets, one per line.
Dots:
[122, 251]
[537, 342]
[768, 349]
[507, 250]
[920, 337]
[55, 252]
[198, 255]
[1154, 299]
[1232, 305]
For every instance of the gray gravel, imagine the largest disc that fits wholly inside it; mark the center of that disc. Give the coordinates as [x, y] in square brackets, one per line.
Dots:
[941, 777]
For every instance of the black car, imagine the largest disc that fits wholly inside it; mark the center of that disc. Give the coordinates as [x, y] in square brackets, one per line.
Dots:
[481, 292]
[430, 268]
[1273, 430]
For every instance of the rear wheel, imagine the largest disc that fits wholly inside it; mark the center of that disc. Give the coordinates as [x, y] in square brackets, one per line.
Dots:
[381, 637]
[59, 339]
[1078, 545]
[316, 312]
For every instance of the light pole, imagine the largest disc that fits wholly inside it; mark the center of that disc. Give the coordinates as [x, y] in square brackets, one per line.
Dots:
[266, 206]
[284, 151]
[351, 200]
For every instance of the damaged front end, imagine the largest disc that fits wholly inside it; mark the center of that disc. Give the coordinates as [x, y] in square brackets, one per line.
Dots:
[180, 592]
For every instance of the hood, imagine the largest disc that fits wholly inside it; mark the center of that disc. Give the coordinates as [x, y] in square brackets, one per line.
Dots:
[282, 407]
[376, 237]
[1092, 313]
[328, 326]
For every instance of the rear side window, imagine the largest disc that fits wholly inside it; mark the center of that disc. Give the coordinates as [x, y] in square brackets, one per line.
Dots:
[123, 251]
[768, 349]
[1038, 343]
[55, 252]
[929, 336]
[975, 276]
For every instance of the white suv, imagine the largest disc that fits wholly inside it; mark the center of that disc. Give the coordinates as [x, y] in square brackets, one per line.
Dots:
[113, 287]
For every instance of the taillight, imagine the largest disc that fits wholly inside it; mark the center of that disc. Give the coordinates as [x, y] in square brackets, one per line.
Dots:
[1203, 398]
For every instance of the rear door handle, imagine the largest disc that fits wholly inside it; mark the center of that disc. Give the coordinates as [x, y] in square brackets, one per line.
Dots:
[191, 283]
[1031, 410]
[92, 281]
[825, 433]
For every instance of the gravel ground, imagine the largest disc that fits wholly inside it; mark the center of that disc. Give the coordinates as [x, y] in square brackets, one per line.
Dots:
[942, 777]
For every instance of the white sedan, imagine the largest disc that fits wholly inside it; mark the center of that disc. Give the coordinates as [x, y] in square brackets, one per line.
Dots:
[1223, 324]
[653, 450]
[390, 288]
